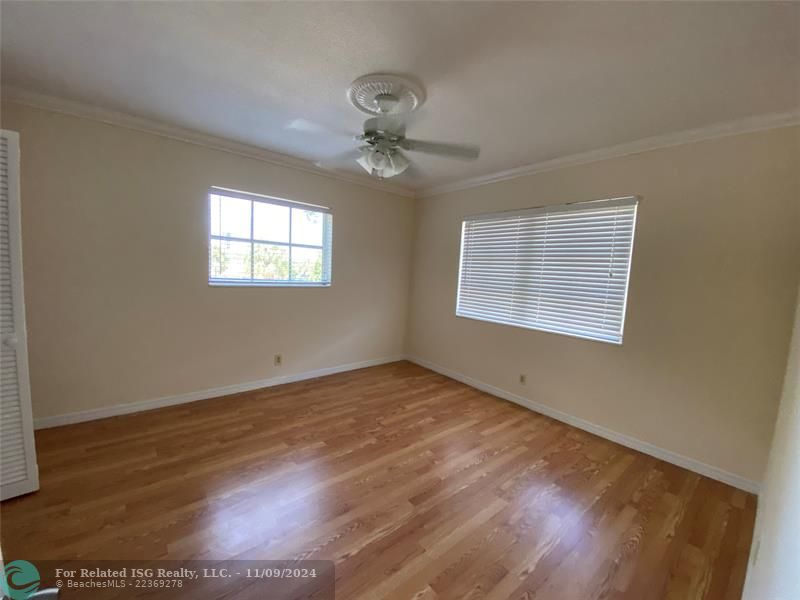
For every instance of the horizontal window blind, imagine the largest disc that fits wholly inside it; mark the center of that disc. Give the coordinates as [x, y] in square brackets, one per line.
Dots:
[562, 269]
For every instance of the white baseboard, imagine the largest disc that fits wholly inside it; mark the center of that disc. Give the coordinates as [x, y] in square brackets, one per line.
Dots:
[133, 407]
[619, 438]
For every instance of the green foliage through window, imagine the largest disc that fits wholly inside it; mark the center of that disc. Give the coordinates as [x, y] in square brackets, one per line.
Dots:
[261, 242]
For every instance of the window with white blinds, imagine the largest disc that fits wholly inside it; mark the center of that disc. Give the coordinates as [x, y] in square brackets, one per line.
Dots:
[562, 269]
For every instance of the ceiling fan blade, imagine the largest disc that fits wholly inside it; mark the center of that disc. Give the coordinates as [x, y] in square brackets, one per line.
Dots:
[460, 151]
[306, 126]
[339, 160]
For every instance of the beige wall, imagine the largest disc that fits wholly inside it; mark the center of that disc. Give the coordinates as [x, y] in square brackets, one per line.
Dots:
[773, 573]
[712, 291]
[119, 309]
[115, 262]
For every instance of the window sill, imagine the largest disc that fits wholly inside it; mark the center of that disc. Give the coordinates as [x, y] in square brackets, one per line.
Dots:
[286, 284]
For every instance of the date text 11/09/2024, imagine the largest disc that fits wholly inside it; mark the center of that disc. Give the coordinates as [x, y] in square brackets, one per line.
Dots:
[185, 573]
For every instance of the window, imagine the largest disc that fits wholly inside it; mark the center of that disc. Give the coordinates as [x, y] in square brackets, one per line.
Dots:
[562, 269]
[257, 240]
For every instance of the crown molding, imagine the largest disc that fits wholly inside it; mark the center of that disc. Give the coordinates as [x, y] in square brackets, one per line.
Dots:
[718, 130]
[89, 111]
[190, 136]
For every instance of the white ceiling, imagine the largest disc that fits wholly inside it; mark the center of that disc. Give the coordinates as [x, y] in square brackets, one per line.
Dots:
[526, 81]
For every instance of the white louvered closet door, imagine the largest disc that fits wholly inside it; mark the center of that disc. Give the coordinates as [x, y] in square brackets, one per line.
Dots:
[18, 471]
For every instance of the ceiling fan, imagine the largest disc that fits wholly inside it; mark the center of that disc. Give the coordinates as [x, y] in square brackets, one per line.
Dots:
[383, 142]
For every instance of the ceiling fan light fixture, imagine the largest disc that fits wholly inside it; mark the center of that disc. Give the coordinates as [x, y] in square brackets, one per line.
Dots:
[382, 164]
[362, 160]
[398, 162]
[373, 161]
[378, 160]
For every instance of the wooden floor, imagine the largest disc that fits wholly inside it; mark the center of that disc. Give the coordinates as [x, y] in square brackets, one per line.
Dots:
[416, 485]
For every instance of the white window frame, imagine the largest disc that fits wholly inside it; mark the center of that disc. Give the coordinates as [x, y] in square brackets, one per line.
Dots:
[326, 247]
[632, 201]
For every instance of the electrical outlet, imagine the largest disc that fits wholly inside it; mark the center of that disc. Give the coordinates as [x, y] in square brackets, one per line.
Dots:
[278, 360]
[523, 379]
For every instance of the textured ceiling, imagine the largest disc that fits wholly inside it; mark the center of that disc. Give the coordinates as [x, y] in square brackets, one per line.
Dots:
[526, 81]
